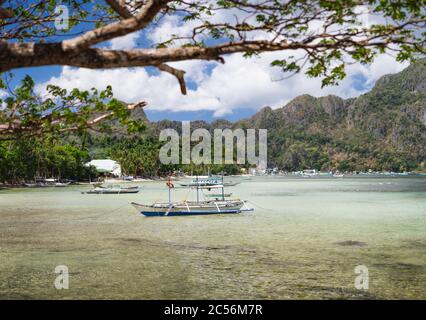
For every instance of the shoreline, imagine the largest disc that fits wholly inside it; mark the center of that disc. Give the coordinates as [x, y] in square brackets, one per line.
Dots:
[22, 185]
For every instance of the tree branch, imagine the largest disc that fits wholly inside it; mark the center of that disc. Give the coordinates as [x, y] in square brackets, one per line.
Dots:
[118, 29]
[20, 55]
[130, 107]
[179, 74]
[5, 13]
[15, 126]
[119, 6]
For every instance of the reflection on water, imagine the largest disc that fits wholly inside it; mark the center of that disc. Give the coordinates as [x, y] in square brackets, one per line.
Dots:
[304, 240]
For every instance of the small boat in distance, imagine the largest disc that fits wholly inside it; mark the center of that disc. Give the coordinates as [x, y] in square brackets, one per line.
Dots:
[218, 195]
[338, 175]
[47, 183]
[206, 182]
[308, 173]
[112, 189]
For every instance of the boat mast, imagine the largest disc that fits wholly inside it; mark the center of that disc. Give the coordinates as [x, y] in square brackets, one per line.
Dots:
[197, 188]
[170, 190]
[223, 189]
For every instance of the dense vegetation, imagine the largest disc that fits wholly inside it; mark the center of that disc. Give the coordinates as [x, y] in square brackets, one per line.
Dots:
[138, 156]
[24, 160]
[64, 158]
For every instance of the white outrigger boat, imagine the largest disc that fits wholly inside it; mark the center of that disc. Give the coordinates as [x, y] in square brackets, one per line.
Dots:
[185, 208]
[47, 183]
[111, 189]
[190, 208]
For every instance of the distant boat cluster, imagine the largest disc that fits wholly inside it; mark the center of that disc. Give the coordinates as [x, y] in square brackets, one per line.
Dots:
[336, 174]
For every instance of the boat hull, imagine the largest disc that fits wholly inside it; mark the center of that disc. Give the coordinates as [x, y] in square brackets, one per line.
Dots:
[110, 192]
[186, 213]
[206, 185]
[101, 190]
[47, 185]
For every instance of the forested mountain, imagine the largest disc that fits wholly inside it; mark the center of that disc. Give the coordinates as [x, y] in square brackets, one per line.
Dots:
[384, 129]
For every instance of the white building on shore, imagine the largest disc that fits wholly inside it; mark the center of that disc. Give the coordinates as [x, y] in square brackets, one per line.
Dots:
[106, 166]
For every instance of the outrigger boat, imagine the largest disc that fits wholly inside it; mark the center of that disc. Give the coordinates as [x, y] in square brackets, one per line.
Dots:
[112, 189]
[47, 183]
[198, 207]
[190, 208]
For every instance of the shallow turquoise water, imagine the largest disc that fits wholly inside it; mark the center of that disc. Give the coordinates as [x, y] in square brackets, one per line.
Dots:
[303, 241]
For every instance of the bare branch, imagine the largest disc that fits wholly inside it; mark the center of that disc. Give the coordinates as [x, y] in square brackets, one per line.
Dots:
[31, 54]
[21, 55]
[99, 119]
[179, 74]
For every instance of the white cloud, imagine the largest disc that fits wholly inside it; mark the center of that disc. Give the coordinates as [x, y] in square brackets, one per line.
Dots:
[239, 83]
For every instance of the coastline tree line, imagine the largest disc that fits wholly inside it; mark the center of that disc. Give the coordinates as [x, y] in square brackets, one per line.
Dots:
[28, 159]
[25, 159]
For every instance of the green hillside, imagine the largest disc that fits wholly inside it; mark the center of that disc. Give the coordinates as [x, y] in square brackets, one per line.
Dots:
[384, 129]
